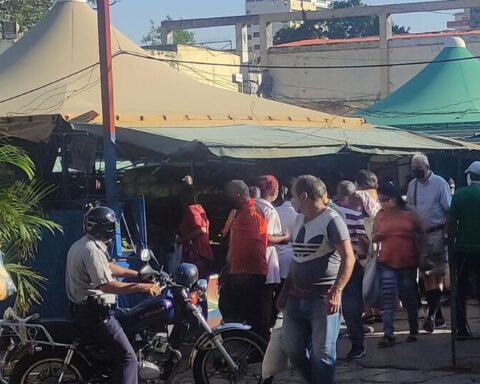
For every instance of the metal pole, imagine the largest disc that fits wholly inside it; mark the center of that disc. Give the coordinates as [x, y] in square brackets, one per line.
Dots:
[108, 113]
[453, 305]
[109, 138]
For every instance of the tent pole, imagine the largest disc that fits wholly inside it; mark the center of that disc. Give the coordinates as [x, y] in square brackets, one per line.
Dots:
[109, 137]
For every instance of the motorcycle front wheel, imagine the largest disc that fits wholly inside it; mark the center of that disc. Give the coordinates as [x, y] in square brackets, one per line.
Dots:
[45, 367]
[247, 350]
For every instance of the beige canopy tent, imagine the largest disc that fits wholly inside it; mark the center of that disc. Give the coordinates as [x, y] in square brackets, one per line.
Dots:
[53, 71]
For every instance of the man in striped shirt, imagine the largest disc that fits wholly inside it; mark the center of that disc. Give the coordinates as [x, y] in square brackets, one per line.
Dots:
[352, 301]
[322, 264]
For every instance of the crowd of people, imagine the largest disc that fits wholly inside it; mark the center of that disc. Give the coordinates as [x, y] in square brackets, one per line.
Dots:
[297, 253]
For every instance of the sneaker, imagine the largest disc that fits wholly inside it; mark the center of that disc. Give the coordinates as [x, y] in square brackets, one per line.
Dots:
[429, 325]
[386, 342]
[412, 337]
[440, 323]
[356, 353]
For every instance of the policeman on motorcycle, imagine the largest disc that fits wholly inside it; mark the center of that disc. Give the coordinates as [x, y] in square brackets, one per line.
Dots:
[89, 268]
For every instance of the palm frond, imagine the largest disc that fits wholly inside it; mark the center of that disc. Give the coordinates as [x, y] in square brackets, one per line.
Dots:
[16, 157]
[28, 283]
[22, 222]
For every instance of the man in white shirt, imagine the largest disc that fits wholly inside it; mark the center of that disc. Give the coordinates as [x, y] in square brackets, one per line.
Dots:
[288, 216]
[269, 186]
[430, 195]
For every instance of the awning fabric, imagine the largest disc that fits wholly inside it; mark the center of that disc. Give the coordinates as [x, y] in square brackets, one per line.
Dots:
[257, 142]
[54, 70]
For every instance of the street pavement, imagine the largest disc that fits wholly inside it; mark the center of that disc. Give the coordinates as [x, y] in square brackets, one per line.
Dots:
[427, 361]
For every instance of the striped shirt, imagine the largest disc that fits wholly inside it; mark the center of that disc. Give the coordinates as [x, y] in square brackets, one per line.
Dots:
[356, 228]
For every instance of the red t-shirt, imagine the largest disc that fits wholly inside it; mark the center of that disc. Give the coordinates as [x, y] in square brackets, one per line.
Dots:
[398, 232]
[248, 241]
[195, 217]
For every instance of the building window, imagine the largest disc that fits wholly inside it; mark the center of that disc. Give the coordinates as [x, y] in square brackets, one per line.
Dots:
[249, 37]
[256, 47]
[256, 34]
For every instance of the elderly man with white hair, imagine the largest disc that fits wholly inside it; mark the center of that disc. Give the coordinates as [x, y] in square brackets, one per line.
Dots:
[430, 195]
[464, 223]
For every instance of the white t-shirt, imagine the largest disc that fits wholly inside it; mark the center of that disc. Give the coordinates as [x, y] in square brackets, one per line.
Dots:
[274, 228]
[288, 216]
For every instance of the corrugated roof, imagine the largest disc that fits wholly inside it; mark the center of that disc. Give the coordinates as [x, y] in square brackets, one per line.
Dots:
[304, 43]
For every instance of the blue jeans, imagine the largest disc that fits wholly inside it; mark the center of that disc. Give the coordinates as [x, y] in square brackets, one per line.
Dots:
[308, 328]
[352, 307]
[403, 280]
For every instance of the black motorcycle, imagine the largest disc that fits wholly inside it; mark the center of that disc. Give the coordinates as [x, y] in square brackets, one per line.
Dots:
[56, 351]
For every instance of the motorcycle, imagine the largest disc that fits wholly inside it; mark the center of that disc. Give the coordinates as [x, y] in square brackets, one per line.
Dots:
[56, 351]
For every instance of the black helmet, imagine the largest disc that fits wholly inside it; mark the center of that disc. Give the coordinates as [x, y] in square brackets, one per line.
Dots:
[100, 222]
[186, 274]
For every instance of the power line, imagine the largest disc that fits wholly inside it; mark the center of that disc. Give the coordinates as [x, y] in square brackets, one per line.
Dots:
[259, 67]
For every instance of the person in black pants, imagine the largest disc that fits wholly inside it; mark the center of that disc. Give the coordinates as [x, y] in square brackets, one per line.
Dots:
[89, 268]
[464, 222]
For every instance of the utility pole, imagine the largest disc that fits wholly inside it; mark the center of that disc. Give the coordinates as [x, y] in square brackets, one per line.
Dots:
[108, 113]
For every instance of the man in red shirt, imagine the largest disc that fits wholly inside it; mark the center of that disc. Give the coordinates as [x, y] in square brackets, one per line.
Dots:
[245, 296]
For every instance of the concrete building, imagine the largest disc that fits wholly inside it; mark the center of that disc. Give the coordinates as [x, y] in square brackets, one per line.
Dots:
[341, 90]
[262, 7]
[226, 77]
[468, 19]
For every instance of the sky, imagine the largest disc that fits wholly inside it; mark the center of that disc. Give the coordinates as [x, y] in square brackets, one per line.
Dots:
[132, 17]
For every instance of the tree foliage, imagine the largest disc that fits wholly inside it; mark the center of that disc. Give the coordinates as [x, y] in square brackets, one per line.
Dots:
[154, 35]
[335, 28]
[25, 12]
[22, 222]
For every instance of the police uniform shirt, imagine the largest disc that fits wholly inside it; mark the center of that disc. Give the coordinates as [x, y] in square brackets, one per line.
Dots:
[87, 268]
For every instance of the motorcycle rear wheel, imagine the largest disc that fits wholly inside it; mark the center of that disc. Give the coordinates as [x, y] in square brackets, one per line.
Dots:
[247, 350]
[44, 368]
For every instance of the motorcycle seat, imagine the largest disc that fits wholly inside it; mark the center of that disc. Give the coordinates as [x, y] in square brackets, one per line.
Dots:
[65, 332]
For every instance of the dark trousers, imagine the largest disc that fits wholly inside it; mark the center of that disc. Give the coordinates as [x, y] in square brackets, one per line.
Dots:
[109, 334]
[244, 298]
[466, 263]
[352, 307]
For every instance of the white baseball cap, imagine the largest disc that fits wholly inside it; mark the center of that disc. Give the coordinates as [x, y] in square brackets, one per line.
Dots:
[474, 168]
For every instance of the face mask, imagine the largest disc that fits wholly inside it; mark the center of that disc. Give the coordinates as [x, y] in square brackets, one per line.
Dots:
[295, 203]
[419, 173]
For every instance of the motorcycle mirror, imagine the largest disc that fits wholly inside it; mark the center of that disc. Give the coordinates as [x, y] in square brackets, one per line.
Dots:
[202, 285]
[145, 254]
[147, 273]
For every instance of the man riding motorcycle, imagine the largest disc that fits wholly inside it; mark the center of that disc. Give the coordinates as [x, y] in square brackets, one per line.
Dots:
[90, 268]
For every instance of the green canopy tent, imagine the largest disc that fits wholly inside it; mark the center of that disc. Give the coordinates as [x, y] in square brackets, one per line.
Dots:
[442, 99]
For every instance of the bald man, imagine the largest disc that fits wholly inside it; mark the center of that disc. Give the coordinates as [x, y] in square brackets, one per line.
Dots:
[245, 295]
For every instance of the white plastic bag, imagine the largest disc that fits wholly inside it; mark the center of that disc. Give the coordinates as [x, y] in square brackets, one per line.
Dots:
[371, 290]
[7, 287]
[275, 360]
